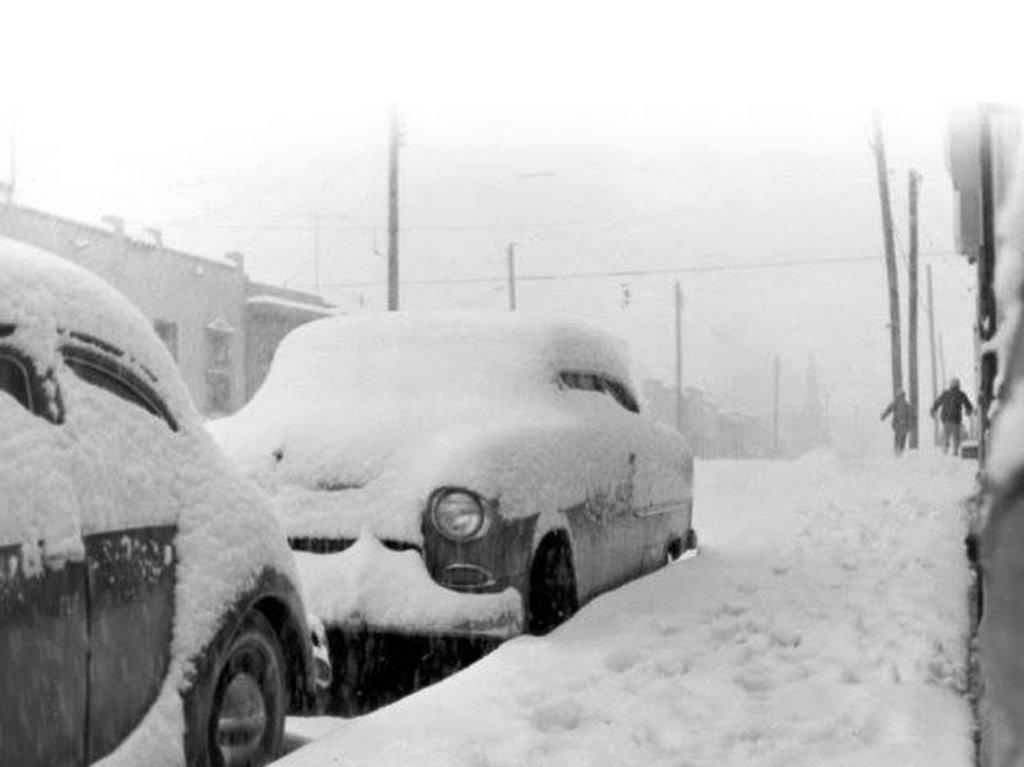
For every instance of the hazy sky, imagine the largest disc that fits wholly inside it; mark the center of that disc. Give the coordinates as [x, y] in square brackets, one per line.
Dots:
[598, 137]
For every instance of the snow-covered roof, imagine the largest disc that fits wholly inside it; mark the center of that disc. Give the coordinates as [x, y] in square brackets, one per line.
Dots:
[284, 303]
[453, 353]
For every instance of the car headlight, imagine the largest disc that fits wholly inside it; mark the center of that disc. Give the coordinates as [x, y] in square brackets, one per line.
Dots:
[458, 515]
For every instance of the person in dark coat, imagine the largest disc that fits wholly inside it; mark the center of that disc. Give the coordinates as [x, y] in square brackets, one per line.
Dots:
[950, 406]
[899, 409]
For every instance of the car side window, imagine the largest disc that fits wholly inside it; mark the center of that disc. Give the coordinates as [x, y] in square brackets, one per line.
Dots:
[597, 383]
[111, 375]
[14, 380]
[621, 395]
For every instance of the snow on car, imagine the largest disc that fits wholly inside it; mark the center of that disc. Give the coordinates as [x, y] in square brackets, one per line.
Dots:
[466, 475]
[148, 612]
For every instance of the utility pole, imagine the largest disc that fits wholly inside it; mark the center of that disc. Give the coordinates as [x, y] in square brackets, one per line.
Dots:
[316, 253]
[511, 276]
[986, 293]
[931, 344]
[394, 142]
[679, 356]
[13, 165]
[913, 178]
[775, 406]
[942, 360]
[890, 254]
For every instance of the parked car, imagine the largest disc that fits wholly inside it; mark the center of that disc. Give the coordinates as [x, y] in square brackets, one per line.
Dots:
[460, 475]
[148, 606]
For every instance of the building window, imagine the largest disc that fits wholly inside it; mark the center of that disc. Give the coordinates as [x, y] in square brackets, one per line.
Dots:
[218, 393]
[219, 369]
[168, 332]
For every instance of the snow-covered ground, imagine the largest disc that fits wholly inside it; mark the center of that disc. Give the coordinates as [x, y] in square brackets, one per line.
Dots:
[824, 622]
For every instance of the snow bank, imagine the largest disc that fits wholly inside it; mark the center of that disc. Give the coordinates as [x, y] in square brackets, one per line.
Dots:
[369, 585]
[823, 624]
[112, 466]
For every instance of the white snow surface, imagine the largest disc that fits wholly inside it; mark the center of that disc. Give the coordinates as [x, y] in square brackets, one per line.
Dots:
[112, 466]
[383, 409]
[370, 585]
[824, 623]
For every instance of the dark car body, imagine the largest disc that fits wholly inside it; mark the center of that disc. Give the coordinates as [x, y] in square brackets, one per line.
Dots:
[119, 585]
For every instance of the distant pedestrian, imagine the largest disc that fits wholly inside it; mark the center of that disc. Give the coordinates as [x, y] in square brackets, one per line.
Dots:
[950, 406]
[899, 409]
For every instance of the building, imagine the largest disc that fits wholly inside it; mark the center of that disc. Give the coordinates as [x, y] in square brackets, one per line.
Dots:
[221, 327]
[711, 431]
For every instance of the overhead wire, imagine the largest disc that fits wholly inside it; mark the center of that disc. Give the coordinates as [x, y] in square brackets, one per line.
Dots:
[620, 273]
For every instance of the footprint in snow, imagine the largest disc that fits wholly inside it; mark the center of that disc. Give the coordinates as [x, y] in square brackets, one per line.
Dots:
[621, 660]
[565, 714]
[755, 679]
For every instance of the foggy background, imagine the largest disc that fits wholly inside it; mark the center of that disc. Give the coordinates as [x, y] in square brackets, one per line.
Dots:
[714, 146]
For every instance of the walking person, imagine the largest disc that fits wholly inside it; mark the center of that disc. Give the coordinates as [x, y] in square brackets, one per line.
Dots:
[950, 406]
[899, 409]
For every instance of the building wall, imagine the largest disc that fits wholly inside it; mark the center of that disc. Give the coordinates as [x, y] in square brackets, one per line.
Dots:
[169, 286]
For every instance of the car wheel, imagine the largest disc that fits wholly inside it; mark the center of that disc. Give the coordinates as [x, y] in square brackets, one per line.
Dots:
[553, 597]
[246, 724]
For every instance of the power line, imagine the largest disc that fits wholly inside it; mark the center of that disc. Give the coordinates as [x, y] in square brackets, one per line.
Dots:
[750, 266]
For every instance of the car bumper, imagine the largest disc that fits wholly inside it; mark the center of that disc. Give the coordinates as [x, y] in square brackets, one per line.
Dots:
[368, 587]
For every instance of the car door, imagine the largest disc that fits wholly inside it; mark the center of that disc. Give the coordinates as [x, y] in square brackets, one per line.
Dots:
[609, 541]
[129, 540]
[43, 601]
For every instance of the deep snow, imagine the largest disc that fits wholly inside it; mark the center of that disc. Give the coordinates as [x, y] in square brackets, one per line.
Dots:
[824, 622]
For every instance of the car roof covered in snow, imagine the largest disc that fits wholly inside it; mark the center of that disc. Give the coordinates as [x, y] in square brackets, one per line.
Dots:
[440, 352]
[46, 297]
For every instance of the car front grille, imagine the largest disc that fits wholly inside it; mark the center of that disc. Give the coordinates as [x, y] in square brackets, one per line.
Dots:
[334, 545]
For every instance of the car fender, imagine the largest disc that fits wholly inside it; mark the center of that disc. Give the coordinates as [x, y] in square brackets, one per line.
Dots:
[274, 595]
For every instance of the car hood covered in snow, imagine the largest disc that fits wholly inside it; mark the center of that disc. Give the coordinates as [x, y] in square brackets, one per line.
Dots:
[362, 418]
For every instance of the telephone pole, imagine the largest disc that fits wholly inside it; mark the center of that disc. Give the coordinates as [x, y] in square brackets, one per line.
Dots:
[394, 142]
[913, 179]
[316, 253]
[986, 293]
[942, 360]
[775, 405]
[890, 254]
[931, 344]
[679, 356]
[511, 276]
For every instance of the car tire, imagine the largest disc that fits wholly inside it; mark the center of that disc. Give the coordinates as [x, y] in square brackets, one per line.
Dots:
[249, 699]
[553, 595]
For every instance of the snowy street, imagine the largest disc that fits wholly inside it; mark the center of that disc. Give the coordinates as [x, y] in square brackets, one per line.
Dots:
[824, 622]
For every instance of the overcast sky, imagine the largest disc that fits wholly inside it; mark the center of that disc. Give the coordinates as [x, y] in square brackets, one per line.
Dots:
[598, 137]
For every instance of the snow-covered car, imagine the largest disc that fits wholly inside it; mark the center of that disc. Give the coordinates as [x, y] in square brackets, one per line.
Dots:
[148, 606]
[461, 474]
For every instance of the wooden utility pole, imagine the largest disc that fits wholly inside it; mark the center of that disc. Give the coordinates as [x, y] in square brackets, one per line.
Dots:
[890, 254]
[394, 142]
[931, 345]
[775, 405]
[316, 253]
[679, 356]
[986, 292]
[942, 361]
[511, 276]
[913, 179]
